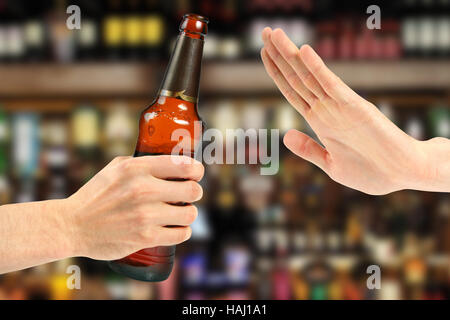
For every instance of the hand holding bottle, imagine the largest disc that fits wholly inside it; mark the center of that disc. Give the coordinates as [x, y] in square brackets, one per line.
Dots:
[362, 149]
[125, 207]
[122, 209]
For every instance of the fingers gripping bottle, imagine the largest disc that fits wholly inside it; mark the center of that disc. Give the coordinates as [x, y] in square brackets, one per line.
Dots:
[171, 121]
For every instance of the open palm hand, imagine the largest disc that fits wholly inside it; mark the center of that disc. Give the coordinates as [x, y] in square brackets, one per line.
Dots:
[362, 149]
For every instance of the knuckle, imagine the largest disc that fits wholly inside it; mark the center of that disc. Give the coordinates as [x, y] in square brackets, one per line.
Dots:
[146, 235]
[329, 84]
[304, 147]
[119, 159]
[144, 190]
[292, 78]
[316, 67]
[142, 218]
[309, 79]
[292, 56]
[129, 194]
[274, 53]
[289, 94]
[126, 166]
[134, 191]
[152, 187]
[315, 102]
[273, 71]
[328, 101]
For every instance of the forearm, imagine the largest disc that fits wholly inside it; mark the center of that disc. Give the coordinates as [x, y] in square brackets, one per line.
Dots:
[437, 165]
[32, 234]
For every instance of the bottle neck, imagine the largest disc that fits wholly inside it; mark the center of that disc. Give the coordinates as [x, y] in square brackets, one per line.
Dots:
[182, 76]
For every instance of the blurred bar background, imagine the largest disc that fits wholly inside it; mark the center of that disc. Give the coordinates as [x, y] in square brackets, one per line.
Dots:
[69, 103]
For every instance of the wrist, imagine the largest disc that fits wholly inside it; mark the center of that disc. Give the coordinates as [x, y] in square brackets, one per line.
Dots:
[437, 177]
[430, 162]
[63, 223]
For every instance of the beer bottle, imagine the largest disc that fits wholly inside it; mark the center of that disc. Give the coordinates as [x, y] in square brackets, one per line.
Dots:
[174, 108]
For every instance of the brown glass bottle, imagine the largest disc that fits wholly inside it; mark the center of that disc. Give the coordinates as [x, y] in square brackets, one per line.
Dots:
[174, 108]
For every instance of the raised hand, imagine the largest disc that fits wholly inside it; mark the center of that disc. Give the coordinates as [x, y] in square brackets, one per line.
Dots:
[361, 148]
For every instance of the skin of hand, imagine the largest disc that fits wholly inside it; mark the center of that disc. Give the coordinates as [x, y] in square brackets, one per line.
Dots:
[126, 207]
[361, 148]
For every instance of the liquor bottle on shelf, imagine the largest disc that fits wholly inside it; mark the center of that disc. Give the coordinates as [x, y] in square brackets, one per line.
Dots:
[300, 289]
[391, 43]
[174, 108]
[326, 39]
[442, 21]
[25, 148]
[286, 118]
[414, 127]
[201, 229]
[5, 186]
[409, 28]
[439, 120]
[209, 8]
[35, 32]
[280, 277]
[442, 226]
[87, 38]
[194, 263]
[113, 30]
[58, 282]
[230, 45]
[85, 136]
[237, 263]
[426, 32]
[153, 29]
[387, 109]
[260, 15]
[132, 25]
[318, 274]
[225, 116]
[62, 38]
[15, 41]
[346, 39]
[3, 31]
[56, 157]
[120, 130]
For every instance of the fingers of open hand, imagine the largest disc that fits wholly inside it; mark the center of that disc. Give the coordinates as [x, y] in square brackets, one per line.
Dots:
[305, 71]
[308, 149]
[286, 70]
[288, 92]
[291, 55]
[331, 84]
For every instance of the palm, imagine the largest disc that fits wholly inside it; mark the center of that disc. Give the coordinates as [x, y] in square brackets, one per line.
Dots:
[363, 149]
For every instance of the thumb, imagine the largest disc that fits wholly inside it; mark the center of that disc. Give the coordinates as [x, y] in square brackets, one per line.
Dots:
[305, 147]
